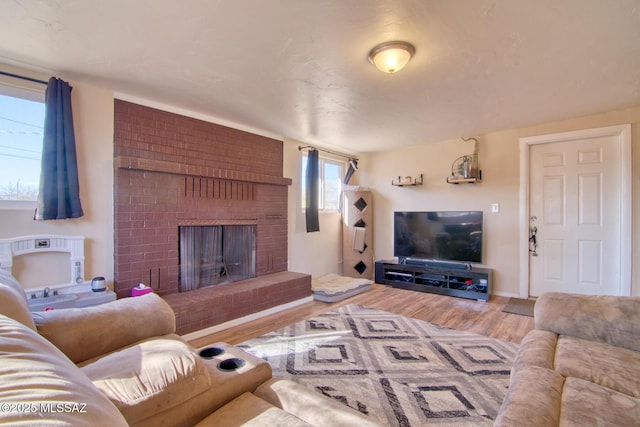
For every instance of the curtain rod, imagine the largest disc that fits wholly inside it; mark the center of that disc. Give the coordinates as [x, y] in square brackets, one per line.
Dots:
[17, 76]
[300, 148]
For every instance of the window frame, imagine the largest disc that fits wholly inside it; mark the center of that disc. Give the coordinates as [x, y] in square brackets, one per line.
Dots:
[31, 91]
[322, 159]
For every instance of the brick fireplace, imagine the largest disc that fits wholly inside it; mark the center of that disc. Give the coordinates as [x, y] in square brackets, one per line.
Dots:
[173, 171]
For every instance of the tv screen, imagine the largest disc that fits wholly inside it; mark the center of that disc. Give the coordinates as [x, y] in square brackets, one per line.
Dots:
[444, 235]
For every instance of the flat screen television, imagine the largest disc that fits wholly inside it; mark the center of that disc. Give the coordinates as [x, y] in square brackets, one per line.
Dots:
[442, 235]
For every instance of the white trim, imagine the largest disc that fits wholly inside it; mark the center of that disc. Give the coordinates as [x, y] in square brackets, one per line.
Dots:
[323, 161]
[524, 219]
[504, 294]
[239, 321]
[17, 205]
[193, 114]
[20, 88]
[624, 134]
[626, 220]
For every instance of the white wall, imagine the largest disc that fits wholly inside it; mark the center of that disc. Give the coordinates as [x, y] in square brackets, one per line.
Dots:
[93, 125]
[499, 161]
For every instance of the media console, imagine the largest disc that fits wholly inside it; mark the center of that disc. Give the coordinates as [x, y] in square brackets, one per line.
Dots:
[472, 283]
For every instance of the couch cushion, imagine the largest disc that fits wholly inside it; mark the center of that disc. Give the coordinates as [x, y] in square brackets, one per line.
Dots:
[102, 356]
[613, 367]
[13, 300]
[538, 348]
[106, 327]
[533, 399]
[36, 374]
[150, 377]
[588, 404]
[248, 410]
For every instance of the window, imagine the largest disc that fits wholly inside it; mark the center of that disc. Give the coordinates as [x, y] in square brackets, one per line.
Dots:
[331, 172]
[21, 128]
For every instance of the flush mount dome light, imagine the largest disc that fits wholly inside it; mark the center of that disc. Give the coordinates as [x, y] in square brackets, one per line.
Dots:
[391, 57]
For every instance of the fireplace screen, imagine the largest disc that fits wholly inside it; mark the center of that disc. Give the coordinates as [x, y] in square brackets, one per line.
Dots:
[217, 254]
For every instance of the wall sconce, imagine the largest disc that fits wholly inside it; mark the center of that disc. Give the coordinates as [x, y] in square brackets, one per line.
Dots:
[391, 57]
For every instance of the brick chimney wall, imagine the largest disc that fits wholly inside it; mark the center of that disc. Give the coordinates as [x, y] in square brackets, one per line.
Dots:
[172, 170]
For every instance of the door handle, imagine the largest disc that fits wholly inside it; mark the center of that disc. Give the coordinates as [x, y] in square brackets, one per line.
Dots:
[533, 240]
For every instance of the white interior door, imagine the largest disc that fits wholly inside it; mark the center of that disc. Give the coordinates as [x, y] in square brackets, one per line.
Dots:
[577, 208]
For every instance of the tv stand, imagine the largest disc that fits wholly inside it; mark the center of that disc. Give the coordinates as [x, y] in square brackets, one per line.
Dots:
[469, 282]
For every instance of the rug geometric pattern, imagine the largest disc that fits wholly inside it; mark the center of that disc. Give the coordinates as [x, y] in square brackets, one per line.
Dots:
[399, 371]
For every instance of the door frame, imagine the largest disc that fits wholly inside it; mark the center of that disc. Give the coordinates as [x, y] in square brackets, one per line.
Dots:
[623, 133]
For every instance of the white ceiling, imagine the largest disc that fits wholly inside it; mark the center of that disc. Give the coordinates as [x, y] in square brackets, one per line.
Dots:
[298, 68]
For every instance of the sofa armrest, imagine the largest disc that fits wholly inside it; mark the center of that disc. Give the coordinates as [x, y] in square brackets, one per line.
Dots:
[84, 333]
[609, 319]
[534, 398]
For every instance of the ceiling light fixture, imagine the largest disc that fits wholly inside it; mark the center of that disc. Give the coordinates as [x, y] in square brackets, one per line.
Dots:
[391, 57]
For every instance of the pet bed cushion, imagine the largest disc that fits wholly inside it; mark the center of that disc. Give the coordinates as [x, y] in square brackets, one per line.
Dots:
[333, 287]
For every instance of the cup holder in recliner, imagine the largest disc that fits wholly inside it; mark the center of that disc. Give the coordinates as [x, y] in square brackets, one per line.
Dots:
[232, 364]
[211, 352]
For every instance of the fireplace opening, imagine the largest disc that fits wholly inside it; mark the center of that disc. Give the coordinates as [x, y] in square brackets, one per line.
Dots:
[216, 254]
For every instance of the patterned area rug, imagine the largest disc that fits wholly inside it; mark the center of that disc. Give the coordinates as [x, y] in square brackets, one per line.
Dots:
[400, 371]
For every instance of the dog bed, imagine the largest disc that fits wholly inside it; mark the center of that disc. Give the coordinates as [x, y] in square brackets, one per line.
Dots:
[333, 287]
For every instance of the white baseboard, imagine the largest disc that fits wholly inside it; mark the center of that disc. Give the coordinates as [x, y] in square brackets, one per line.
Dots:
[239, 321]
[506, 294]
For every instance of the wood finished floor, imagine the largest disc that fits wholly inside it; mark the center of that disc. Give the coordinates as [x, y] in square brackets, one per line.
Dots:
[484, 318]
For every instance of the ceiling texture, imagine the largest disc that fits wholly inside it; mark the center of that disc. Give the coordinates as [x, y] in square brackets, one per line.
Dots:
[298, 68]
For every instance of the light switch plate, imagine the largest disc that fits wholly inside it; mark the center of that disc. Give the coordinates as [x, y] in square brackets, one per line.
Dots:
[495, 207]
